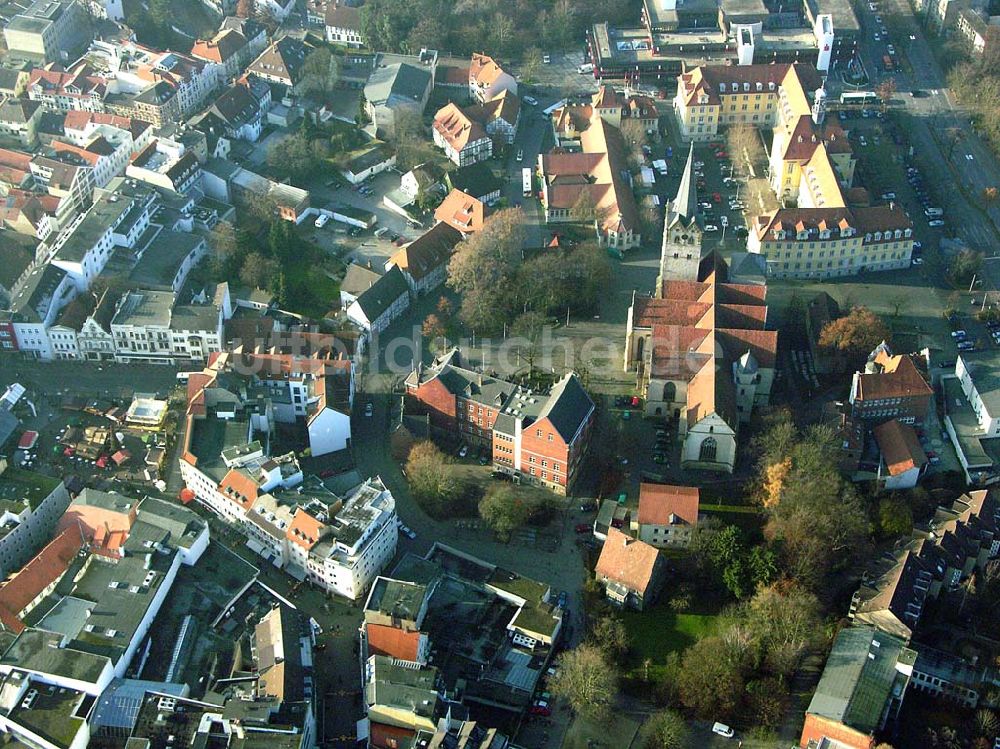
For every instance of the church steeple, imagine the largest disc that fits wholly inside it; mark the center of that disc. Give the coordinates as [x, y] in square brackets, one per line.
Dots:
[686, 202]
[681, 254]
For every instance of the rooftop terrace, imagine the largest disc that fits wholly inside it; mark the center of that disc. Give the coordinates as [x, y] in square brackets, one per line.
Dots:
[54, 713]
[17, 485]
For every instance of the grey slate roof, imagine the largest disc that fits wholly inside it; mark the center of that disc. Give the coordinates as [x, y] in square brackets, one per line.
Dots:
[567, 407]
[477, 180]
[358, 279]
[399, 81]
[8, 424]
[377, 299]
[19, 111]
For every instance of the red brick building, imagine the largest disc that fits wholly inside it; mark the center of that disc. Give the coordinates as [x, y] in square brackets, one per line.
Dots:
[891, 387]
[8, 338]
[540, 437]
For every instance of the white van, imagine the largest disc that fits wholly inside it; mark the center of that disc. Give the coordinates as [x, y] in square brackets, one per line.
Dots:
[723, 730]
[382, 232]
[933, 212]
[182, 377]
[587, 67]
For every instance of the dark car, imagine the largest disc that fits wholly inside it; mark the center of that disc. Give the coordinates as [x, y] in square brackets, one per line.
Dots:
[583, 528]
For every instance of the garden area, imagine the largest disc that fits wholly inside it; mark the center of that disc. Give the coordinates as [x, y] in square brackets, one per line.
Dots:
[265, 252]
[657, 633]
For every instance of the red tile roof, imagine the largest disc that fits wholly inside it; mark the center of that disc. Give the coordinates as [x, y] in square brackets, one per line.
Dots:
[483, 70]
[627, 561]
[304, 530]
[456, 127]
[900, 447]
[392, 641]
[665, 504]
[898, 378]
[38, 574]
[462, 212]
[239, 488]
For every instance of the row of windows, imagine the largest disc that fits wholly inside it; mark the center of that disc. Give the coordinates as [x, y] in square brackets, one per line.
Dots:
[778, 253]
[840, 263]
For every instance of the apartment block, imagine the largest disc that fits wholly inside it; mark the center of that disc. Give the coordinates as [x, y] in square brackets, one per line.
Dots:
[540, 438]
[116, 219]
[149, 326]
[49, 31]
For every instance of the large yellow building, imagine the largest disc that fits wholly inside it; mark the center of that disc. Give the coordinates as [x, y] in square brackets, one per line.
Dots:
[818, 233]
[713, 96]
[830, 242]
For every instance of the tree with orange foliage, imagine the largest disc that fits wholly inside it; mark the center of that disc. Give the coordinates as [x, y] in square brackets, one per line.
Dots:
[855, 334]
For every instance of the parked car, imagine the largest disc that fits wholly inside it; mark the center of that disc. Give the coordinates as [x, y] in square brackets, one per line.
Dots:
[711, 227]
[408, 532]
[959, 334]
[321, 220]
[716, 197]
[369, 409]
[723, 730]
[520, 154]
[531, 100]
[539, 710]
[463, 451]
[935, 223]
[583, 528]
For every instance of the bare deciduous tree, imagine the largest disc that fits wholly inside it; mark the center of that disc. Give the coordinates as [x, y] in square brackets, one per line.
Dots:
[587, 681]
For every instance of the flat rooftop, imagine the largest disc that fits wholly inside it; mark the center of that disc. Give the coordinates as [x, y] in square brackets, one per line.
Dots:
[984, 369]
[163, 257]
[658, 16]
[397, 598]
[841, 10]
[195, 318]
[54, 713]
[105, 213]
[39, 651]
[972, 439]
[18, 485]
[211, 436]
[146, 307]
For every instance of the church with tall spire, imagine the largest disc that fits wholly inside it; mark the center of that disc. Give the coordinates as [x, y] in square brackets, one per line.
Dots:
[682, 250]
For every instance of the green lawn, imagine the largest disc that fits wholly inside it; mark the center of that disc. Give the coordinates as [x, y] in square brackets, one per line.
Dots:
[619, 731]
[657, 633]
[322, 293]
